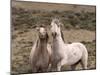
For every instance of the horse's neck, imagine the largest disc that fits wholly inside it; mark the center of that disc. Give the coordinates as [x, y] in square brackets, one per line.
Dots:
[57, 47]
[58, 41]
[42, 45]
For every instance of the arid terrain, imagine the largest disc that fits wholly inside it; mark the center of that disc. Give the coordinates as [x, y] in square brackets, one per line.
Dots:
[79, 26]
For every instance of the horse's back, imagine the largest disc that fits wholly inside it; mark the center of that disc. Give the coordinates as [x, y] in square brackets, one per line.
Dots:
[77, 47]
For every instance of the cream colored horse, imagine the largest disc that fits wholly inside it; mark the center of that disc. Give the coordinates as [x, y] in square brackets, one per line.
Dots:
[66, 54]
[41, 52]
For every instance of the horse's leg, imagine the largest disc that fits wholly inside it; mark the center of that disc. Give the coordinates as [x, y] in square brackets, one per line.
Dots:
[84, 61]
[84, 64]
[46, 69]
[73, 66]
[49, 67]
[60, 64]
[34, 69]
[53, 67]
[43, 69]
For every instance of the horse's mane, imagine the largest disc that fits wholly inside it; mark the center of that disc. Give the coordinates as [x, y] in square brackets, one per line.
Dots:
[37, 42]
[62, 36]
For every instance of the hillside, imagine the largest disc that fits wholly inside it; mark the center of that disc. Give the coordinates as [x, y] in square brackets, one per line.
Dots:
[52, 6]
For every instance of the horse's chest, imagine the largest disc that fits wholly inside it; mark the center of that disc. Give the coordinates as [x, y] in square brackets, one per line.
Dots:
[58, 49]
[41, 57]
[56, 54]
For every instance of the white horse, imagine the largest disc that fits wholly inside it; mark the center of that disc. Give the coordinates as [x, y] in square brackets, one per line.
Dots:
[66, 54]
[41, 52]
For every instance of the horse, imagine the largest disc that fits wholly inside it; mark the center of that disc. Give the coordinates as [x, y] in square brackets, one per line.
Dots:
[40, 53]
[64, 53]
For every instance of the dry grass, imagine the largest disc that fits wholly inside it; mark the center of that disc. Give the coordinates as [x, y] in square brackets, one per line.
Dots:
[22, 44]
[52, 6]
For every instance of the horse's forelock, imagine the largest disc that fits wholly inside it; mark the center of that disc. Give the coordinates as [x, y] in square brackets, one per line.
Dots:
[57, 22]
